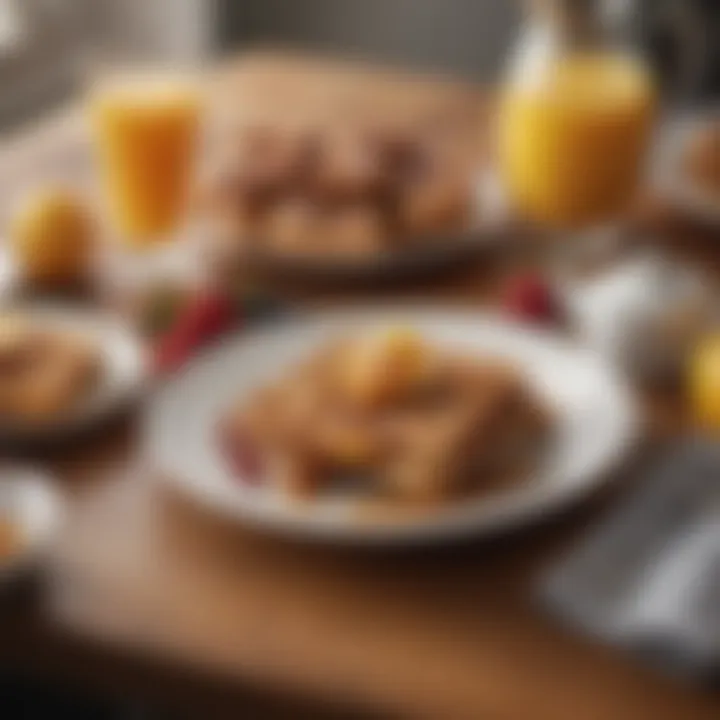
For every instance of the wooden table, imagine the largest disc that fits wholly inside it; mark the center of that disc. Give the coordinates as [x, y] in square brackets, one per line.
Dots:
[146, 596]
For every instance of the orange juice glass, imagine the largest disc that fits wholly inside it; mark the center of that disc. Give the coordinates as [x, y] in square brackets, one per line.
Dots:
[146, 132]
[571, 146]
[575, 117]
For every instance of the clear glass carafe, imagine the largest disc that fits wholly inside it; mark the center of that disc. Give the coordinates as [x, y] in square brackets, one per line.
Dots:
[574, 121]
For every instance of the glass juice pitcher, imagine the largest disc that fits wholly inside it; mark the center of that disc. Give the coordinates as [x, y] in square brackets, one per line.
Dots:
[574, 120]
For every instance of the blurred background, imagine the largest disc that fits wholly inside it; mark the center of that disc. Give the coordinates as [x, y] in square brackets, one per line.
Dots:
[45, 45]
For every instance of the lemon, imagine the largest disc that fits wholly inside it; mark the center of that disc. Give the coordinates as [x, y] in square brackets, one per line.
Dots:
[52, 237]
[704, 383]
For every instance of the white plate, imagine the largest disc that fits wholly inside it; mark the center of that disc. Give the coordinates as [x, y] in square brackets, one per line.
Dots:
[122, 375]
[671, 180]
[28, 498]
[596, 421]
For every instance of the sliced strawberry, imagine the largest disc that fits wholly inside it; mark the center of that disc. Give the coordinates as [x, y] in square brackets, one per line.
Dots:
[207, 315]
[242, 454]
[203, 318]
[529, 297]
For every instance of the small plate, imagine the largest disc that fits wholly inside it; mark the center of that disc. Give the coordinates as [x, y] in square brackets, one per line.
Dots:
[30, 501]
[675, 186]
[595, 422]
[123, 372]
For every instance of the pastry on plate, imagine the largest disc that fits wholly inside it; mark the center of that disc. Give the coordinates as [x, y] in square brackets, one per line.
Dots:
[356, 192]
[45, 372]
[391, 415]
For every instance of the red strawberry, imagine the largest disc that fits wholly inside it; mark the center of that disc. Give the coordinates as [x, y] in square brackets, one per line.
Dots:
[241, 453]
[203, 318]
[528, 297]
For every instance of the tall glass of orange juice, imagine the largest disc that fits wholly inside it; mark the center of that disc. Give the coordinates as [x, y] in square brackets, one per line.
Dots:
[574, 122]
[146, 132]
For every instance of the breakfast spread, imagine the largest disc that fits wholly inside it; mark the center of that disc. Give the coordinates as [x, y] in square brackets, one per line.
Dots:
[386, 414]
[407, 420]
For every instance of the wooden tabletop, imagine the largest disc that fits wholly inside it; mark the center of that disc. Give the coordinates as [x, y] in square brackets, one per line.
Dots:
[147, 596]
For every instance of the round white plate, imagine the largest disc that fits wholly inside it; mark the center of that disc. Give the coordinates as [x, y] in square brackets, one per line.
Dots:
[29, 499]
[671, 180]
[596, 421]
[123, 372]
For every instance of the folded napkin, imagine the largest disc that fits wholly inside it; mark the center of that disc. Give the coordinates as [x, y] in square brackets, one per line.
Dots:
[648, 576]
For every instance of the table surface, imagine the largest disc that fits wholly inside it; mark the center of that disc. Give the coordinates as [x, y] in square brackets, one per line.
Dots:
[147, 595]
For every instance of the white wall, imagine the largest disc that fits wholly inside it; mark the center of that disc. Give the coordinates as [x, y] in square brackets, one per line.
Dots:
[64, 37]
[165, 30]
[470, 37]
[38, 66]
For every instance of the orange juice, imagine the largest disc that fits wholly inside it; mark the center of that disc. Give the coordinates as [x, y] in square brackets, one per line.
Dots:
[572, 139]
[146, 134]
[703, 383]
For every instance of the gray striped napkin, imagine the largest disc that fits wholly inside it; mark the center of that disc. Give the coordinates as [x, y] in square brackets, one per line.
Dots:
[648, 576]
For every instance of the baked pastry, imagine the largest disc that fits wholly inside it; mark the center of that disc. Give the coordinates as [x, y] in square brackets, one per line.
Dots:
[356, 192]
[408, 421]
[44, 372]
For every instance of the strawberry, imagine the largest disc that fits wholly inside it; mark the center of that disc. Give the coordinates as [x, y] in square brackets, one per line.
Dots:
[204, 317]
[528, 297]
[241, 454]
